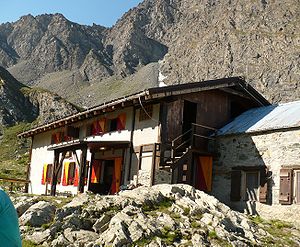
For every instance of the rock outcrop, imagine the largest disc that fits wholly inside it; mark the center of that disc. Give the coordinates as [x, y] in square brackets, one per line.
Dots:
[189, 40]
[19, 103]
[162, 215]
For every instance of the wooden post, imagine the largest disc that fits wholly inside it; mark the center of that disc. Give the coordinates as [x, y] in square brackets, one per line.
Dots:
[123, 166]
[82, 169]
[26, 189]
[57, 165]
[140, 164]
[193, 135]
[140, 156]
[190, 169]
[46, 190]
[152, 179]
[54, 174]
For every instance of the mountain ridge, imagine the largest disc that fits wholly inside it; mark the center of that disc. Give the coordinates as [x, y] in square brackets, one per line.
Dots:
[20, 103]
[188, 41]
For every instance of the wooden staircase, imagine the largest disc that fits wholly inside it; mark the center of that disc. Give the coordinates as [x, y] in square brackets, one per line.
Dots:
[179, 158]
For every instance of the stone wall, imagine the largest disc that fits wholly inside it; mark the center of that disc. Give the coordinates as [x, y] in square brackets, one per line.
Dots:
[272, 150]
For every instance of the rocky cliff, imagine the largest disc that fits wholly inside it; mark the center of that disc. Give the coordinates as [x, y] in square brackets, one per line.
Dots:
[188, 40]
[163, 215]
[19, 103]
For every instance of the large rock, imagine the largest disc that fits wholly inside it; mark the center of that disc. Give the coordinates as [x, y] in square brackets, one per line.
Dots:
[39, 237]
[38, 214]
[162, 215]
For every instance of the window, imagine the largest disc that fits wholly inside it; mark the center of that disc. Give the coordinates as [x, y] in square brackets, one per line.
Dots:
[70, 176]
[146, 113]
[113, 126]
[47, 173]
[249, 184]
[57, 137]
[71, 133]
[297, 186]
[289, 191]
[97, 127]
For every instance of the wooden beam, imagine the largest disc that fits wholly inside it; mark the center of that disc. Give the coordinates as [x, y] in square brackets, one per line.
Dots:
[56, 166]
[140, 157]
[234, 92]
[152, 179]
[82, 168]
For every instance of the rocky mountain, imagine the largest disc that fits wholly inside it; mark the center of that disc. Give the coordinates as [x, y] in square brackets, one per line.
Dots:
[163, 215]
[19, 103]
[181, 41]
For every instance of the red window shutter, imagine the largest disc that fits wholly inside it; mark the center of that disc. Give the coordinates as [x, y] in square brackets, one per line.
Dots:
[96, 170]
[235, 194]
[76, 177]
[65, 179]
[43, 174]
[102, 123]
[96, 129]
[121, 122]
[263, 188]
[285, 191]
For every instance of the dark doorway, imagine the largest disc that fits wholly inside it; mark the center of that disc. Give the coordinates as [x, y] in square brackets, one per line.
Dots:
[189, 116]
[102, 176]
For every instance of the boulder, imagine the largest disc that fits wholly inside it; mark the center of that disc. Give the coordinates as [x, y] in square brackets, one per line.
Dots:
[38, 214]
[23, 204]
[102, 224]
[80, 236]
[39, 237]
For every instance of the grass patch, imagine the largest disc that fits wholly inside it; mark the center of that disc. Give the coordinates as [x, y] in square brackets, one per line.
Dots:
[195, 224]
[169, 236]
[27, 243]
[161, 206]
[143, 242]
[280, 232]
[14, 152]
[212, 234]
[186, 211]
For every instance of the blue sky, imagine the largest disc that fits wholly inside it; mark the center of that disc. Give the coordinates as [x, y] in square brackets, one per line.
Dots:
[102, 12]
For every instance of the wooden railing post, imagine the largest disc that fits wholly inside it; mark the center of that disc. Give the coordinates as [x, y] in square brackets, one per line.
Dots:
[193, 135]
[173, 152]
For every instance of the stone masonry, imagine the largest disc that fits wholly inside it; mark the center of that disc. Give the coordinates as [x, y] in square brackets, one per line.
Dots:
[273, 150]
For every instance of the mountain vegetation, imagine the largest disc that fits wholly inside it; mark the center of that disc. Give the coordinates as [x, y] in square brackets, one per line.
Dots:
[21, 108]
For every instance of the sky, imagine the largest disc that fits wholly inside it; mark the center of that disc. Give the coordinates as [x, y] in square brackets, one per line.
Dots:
[87, 12]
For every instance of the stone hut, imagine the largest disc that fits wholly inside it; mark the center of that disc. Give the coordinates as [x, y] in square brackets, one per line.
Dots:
[257, 164]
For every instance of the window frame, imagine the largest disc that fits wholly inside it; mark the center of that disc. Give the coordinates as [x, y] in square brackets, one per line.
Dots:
[238, 183]
[296, 188]
[244, 196]
[146, 113]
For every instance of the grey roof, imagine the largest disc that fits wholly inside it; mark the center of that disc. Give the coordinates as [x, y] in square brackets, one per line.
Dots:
[265, 118]
[235, 83]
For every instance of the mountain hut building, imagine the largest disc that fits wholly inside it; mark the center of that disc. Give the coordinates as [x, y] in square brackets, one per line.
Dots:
[159, 135]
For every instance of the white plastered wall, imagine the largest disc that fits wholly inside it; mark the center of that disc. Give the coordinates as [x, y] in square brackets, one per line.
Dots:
[39, 156]
[145, 132]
